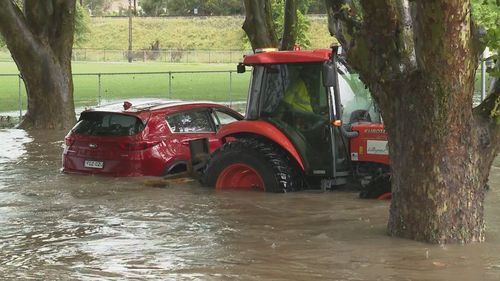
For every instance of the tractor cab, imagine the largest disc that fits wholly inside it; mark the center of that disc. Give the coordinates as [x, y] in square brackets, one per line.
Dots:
[290, 91]
[301, 110]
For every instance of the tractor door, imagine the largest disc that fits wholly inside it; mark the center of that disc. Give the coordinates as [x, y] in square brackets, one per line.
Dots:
[292, 97]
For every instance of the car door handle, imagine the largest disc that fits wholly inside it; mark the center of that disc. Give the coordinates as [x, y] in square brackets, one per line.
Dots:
[185, 142]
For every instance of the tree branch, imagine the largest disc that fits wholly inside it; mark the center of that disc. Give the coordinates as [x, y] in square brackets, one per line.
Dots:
[343, 22]
[405, 42]
[290, 20]
[39, 16]
[63, 28]
[16, 32]
[489, 109]
[259, 25]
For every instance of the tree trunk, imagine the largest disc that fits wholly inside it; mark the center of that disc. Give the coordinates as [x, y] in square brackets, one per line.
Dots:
[259, 25]
[289, 25]
[40, 40]
[419, 61]
[439, 167]
[49, 87]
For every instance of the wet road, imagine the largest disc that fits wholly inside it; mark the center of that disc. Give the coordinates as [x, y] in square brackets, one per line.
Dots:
[67, 227]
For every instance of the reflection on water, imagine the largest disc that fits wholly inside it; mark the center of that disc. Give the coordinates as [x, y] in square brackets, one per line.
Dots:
[69, 227]
[12, 144]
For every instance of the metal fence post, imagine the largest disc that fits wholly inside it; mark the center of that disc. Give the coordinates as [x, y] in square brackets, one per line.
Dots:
[20, 98]
[209, 56]
[170, 85]
[230, 88]
[483, 77]
[99, 89]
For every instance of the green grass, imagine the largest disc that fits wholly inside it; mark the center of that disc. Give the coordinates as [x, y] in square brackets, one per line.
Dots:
[209, 33]
[185, 86]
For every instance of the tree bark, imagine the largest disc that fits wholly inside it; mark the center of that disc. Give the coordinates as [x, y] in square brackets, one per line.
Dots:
[419, 61]
[40, 40]
[259, 25]
[289, 25]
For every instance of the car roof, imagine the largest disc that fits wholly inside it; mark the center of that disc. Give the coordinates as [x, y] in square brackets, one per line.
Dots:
[142, 108]
[319, 55]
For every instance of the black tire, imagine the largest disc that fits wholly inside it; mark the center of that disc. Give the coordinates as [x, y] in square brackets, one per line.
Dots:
[278, 171]
[379, 185]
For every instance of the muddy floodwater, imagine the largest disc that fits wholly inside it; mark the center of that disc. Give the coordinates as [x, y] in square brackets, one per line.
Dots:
[55, 226]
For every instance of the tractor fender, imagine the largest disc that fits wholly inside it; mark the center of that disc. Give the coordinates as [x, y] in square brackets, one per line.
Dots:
[264, 129]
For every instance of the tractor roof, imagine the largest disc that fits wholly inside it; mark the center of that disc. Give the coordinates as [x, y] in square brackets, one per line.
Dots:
[273, 57]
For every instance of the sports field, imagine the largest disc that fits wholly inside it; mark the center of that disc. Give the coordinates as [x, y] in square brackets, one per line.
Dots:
[94, 82]
[103, 82]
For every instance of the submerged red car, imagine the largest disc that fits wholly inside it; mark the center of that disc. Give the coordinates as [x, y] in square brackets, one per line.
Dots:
[142, 138]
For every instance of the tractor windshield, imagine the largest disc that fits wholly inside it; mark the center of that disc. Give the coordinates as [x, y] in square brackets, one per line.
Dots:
[356, 99]
[280, 88]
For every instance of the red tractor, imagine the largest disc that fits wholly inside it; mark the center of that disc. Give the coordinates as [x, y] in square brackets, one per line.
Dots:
[309, 123]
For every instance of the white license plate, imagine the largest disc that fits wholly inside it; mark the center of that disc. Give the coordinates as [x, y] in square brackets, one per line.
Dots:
[93, 164]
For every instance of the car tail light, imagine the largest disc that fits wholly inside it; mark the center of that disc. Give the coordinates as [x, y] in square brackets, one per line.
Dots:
[138, 145]
[69, 141]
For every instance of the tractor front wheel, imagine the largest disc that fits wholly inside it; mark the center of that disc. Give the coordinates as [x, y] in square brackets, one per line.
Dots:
[251, 164]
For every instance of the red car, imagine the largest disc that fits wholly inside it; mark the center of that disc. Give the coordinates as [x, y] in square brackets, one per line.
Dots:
[143, 138]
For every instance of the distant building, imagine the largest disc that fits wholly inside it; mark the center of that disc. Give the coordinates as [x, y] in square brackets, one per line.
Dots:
[117, 6]
[110, 7]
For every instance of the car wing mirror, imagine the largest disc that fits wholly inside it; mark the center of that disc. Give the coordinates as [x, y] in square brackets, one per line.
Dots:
[241, 68]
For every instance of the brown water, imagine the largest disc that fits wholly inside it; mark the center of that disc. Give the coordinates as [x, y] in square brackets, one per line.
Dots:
[66, 227]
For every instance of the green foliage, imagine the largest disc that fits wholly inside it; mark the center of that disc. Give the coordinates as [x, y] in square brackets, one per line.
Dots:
[303, 22]
[487, 14]
[97, 7]
[154, 8]
[315, 7]
[186, 7]
[303, 25]
[224, 7]
[82, 28]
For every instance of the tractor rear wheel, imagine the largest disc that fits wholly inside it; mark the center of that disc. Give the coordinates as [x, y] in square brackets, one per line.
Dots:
[251, 164]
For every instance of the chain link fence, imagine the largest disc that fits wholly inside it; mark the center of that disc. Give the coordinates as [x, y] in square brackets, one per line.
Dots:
[169, 55]
[91, 89]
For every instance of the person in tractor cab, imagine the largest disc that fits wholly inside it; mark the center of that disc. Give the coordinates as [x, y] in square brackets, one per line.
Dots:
[301, 99]
[297, 96]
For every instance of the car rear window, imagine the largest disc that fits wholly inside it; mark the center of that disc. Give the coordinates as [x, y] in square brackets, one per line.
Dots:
[108, 124]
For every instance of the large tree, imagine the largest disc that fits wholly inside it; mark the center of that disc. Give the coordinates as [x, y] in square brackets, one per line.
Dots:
[39, 35]
[419, 59]
[265, 19]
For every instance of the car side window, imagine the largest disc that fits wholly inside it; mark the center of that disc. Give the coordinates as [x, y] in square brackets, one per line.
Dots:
[223, 118]
[193, 121]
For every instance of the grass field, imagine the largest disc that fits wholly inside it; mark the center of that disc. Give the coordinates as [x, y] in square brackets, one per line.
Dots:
[215, 33]
[95, 82]
[99, 81]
